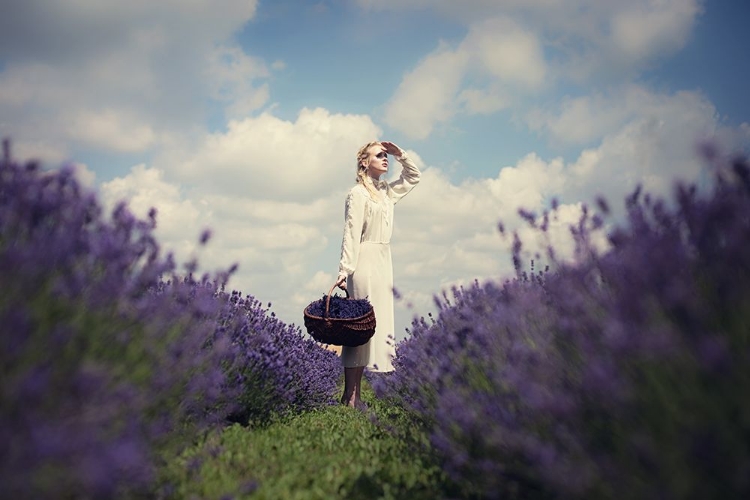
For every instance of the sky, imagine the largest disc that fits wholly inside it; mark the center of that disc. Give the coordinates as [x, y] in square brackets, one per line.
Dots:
[244, 117]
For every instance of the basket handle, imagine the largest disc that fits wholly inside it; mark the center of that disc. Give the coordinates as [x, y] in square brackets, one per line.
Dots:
[328, 300]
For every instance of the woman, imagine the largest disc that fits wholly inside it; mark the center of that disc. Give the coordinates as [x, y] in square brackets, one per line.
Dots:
[365, 268]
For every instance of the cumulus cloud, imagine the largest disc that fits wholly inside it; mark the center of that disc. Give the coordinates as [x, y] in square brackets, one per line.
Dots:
[448, 237]
[632, 32]
[111, 129]
[642, 29]
[581, 120]
[180, 219]
[447, 232]
[507, 51]
[426, 94]
[513, 50]
[277, 245]
[40, 150]
[265, 157]
[654, 141]
[271, 190]
[285, 235]
[483, 101]
[233, 75]
[498, 50]
[84, 175]
[75, 29]
[121, 76]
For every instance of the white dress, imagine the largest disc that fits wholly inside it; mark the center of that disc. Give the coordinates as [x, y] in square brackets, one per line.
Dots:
[366, 262]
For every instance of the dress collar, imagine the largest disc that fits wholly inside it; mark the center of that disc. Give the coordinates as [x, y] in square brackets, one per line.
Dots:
[378, 183]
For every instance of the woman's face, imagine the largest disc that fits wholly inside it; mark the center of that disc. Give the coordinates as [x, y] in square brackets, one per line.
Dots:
[377, 161]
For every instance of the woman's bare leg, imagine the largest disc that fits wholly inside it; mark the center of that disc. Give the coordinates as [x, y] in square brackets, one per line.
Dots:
[352, 386]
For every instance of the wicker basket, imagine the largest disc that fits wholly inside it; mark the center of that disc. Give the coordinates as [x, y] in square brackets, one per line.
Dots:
[350, 332]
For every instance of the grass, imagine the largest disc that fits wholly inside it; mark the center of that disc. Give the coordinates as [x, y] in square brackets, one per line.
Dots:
[336, 452]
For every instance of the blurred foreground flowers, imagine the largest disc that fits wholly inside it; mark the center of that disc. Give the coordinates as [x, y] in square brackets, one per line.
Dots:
[625, 375]
[110, 360]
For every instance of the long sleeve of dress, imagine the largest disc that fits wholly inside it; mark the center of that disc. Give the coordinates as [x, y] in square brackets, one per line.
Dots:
[409, 178]
[354, 216]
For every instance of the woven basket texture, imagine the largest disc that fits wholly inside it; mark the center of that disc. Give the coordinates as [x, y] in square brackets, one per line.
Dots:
[351, 332]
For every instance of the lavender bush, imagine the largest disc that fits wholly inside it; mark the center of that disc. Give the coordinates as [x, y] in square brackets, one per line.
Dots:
[278, 370]
[624, 375]
[112, 362]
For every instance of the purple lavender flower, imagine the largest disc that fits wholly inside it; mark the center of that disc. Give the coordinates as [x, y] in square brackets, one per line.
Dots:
[205, 236]
[339, 307]
[110, 360]
[620, 376]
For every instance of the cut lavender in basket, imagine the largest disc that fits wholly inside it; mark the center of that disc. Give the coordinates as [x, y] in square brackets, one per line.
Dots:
[340, 307]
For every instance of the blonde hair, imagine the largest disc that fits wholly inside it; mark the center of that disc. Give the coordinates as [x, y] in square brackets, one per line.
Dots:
[362, 155]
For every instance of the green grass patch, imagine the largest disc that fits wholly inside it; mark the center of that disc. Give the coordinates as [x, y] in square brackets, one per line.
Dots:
[336, 452]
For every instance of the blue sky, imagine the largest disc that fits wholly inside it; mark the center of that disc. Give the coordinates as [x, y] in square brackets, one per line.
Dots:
[332, 48]
[244, 116]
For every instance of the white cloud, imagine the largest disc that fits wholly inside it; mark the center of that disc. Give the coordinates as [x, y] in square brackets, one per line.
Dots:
[447, 235]
[482, 102]
[508, 52]
[313, 289]
[180, 220]
[110, 129]
[467, 10]
[529, 183]
[497, 49]
[667, 127]
[654, 143]
[233, 75]
[40, 150]
[514, 49]
[269, 158]
[84, 175]
[121, 75]
[272, 191]
[81, 172]
[643, 29]
[76, 29]
[425, 96]
[587, 118]
[124, 76]
[276, 244]
[630, 32]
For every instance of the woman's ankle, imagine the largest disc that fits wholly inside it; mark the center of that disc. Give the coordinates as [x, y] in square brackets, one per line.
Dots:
[348, 399]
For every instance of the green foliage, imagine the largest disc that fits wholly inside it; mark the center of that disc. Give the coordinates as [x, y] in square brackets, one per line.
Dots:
[336, 452]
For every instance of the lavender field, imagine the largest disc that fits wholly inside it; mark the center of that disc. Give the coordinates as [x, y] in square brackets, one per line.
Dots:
[625, 374]
[113, 358]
